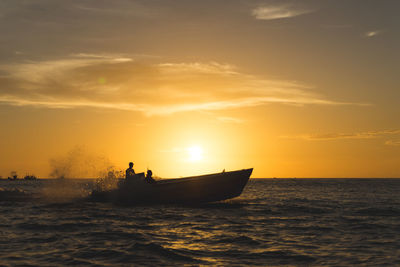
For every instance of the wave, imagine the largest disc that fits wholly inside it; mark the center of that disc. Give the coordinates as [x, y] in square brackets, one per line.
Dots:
[239, 240]
[300, 209]
[280, 257]
[160, 251]
[14, 195]
[389, 211]
[60, 227]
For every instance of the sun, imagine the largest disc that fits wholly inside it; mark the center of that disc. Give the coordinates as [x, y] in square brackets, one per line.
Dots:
[195, 153]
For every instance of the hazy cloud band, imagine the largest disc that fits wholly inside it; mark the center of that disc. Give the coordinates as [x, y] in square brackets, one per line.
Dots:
[122, 83]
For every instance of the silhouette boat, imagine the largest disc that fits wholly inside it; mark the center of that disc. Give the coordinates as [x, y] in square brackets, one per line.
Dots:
[195, 189]
[30, 177]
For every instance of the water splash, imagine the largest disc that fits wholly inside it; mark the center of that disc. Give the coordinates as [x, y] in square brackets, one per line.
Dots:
[110, 181]
[80, 163]
[64, 190]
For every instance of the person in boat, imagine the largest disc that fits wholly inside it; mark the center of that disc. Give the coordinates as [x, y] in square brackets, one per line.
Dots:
[149, 177]
[130, 172]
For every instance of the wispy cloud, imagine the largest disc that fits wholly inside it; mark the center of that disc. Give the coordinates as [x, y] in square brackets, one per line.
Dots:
[337, 26]
[198, 67]
[336, 136]
[230, 120]
[371, 34]
[122, 83]
[117, 8]
[271, 12]
[393, 142]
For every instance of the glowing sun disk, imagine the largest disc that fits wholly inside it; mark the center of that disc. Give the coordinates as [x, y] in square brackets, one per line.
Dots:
[195, 153]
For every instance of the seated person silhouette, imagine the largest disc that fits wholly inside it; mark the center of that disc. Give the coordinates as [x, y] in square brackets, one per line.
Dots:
[130, 172]
[149, 177]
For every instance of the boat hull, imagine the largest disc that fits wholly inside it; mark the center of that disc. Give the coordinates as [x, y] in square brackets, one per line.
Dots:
[197, 189]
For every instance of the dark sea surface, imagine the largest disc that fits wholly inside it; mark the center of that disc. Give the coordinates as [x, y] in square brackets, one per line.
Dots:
[299, 222]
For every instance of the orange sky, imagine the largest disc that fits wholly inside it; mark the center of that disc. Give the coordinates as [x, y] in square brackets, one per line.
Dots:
[293, 89]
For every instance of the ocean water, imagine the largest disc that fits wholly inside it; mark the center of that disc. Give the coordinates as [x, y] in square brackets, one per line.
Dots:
[295, 222]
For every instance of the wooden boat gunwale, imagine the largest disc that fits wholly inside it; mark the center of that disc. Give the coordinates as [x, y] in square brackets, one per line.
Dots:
[200, 177]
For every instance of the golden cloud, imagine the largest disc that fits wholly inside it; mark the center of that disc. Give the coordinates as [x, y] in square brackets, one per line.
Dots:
[122, 83]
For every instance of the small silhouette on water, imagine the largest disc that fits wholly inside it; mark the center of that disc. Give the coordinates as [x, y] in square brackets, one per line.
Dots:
[30, 177]
[14, 176]
[130, 172]
[149, 177]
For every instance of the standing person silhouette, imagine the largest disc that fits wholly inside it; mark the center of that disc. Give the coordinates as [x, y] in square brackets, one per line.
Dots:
[130, 172]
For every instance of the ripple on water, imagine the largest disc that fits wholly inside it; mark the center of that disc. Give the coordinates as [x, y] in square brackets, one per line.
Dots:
[163, 252]
[274, 222]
